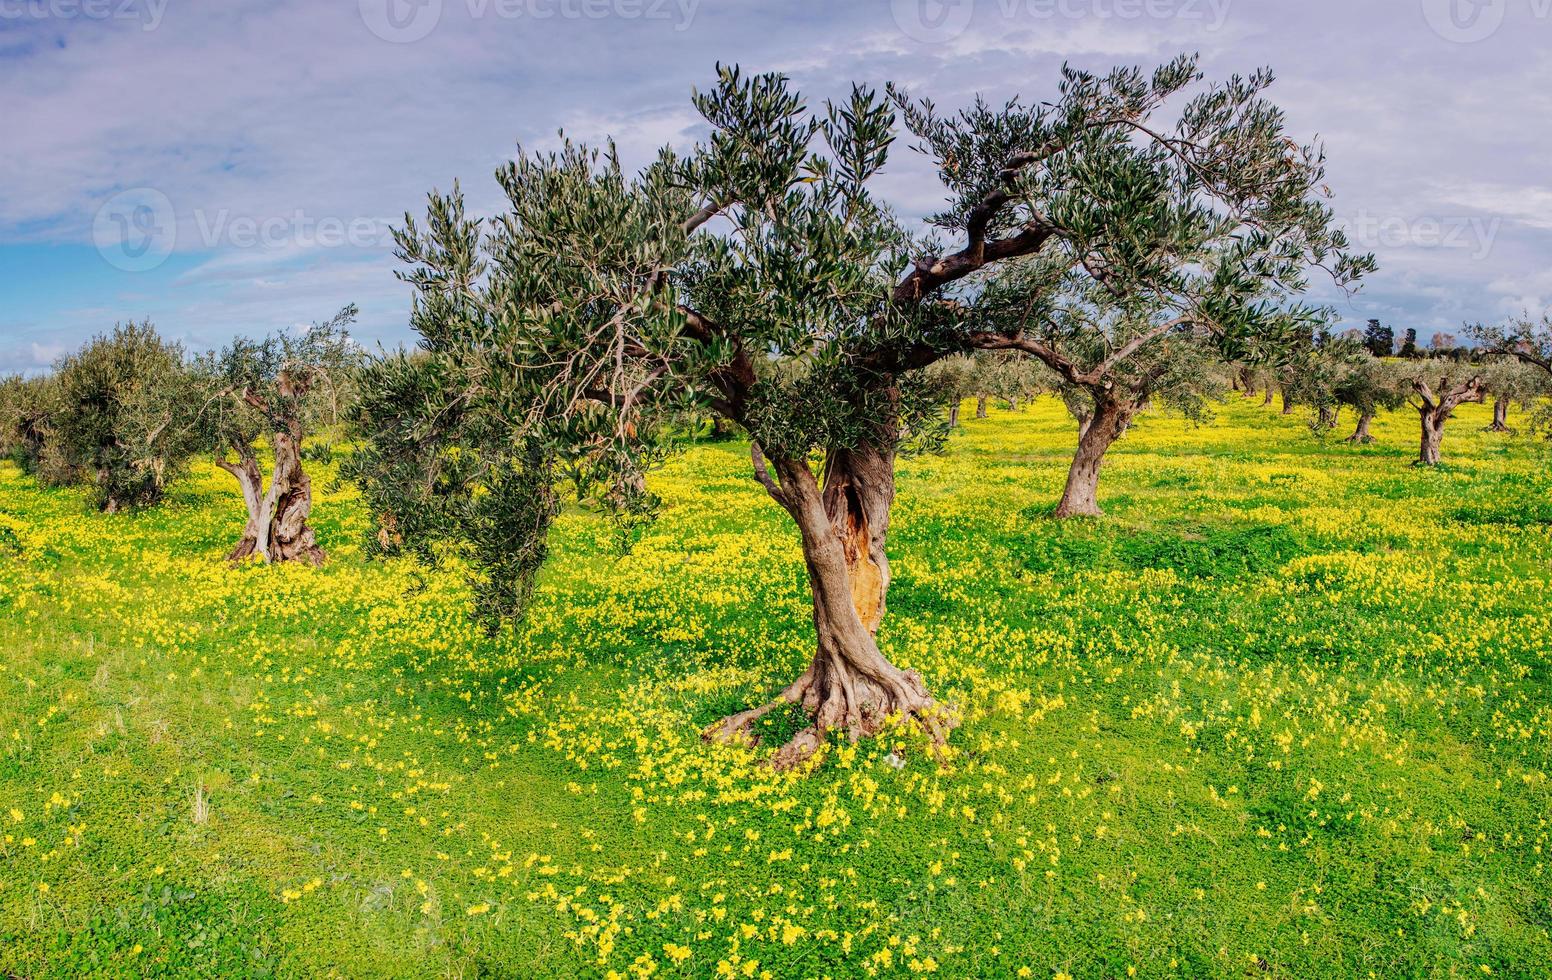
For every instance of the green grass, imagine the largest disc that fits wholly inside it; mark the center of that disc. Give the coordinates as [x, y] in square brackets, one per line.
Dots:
[1283, 711]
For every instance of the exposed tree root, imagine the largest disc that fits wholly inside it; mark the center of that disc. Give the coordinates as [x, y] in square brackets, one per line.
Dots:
[840, 697]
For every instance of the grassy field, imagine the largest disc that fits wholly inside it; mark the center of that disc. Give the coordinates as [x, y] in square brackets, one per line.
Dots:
[1285, 711]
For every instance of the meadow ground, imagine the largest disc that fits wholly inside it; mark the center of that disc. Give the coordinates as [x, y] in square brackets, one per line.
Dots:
[1285, 711]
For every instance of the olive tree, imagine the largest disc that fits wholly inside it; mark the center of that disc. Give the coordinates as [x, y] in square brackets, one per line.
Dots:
[1369, 386]
[1436, 389]
[983, 375]
[1509, 382]
[274, 389]
[1112, 361]
[120, 415]
[27, 438]
[757, 276]
[1315, 377]
[955, 379]
[1521, 337]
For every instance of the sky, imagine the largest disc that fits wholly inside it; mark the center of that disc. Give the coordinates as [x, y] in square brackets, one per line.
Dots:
[235, 167]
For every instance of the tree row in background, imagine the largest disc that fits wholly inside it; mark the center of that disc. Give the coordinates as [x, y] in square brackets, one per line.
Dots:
[127, 413]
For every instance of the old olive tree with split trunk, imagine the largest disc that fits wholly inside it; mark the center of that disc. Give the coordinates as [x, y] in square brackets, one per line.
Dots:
[758, 277]
[273, 389]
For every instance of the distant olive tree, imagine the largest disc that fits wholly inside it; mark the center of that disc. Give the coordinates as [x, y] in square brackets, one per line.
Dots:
[1314, 379]
[599, 304]
[27, 438]
[1369, 386]
[1521, 337]
[121, 414]
[274, 390]
[984, 375]
[1512, 382]
[954, 379]
[1115, 351]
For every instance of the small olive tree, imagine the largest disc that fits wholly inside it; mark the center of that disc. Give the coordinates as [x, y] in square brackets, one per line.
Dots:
[1116, 347]
[1314, 379]
[983, 375]
[121, 415]
[1528, 340]
[1369, 386]
[1511, 381]
[274, 389]
[27, 438]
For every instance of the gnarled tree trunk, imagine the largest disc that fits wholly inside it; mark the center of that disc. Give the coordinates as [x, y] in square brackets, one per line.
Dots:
[277, 528]
[1432, 438]
[1096, 434]
[1435, 409]
[849, 685]
[1287, 401]
[980, 406]
[1268, 399]
[251, 480]
[953, 414]
[1500, 415]
[1361, 434]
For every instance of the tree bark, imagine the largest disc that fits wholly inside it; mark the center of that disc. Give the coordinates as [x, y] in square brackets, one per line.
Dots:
[1361, 434]
[1432, 436]
[1435, 410]
[980, 406]
[1500, 415]
[953, 414]
[251, 481]
[1326, 418]
[1096, 434]
[1013, 403]
[1287, 402]
[849, 685]
[1268, 399]
[277, 528]
[289, 502]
